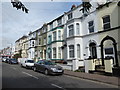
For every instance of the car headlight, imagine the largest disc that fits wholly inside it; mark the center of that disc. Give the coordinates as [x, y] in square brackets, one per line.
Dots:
[53, 69]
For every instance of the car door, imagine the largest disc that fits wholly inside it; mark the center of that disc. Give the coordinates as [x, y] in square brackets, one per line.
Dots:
[37, 65]
[41, 66]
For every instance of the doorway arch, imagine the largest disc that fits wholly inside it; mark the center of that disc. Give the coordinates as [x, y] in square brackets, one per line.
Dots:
[114, 46]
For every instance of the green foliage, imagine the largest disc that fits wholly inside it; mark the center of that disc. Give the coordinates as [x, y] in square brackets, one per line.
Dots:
[19, 5]
[86, 7]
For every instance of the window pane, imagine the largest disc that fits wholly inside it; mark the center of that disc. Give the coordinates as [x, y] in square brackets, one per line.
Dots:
[59, 21]
[106, 22]
[90, 23]
[59, 35]
[77, 28]
[91, 29]
[59, 52]
[107, 26]
[54, 36]
[71, 30]
[54, 52]
[106, 19]
[78, 51]
[108, 50]
[71, 51]
[91, 26]
[70, 16]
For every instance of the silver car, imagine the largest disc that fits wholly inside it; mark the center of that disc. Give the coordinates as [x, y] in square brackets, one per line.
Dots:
[48, 67]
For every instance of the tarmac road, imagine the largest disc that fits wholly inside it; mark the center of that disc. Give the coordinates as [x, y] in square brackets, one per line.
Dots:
[13, 76]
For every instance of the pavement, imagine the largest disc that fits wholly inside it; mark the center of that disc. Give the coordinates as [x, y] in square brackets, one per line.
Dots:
[95, 77]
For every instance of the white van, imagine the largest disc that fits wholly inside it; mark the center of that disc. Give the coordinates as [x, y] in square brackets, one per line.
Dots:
[27, 63]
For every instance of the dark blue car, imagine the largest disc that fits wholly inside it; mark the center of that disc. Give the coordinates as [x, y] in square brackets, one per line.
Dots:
[13, 61]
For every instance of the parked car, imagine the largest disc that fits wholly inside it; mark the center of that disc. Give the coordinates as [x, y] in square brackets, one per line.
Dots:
[7, 60]
[27, 63]
[4, 59]
[12, 61]
[48, 67]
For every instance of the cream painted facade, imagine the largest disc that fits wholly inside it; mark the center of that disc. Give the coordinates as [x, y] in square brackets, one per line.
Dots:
[55, 39]
[105, 38]
[113, 12]
[24, 53]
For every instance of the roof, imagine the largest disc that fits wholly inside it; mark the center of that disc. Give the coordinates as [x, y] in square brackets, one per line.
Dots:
[25, 36]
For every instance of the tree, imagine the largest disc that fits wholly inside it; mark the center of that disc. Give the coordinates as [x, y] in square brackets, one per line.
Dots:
[17, 4]
[86, 6]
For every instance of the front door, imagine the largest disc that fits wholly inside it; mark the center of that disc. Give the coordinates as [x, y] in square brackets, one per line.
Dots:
[93, 50]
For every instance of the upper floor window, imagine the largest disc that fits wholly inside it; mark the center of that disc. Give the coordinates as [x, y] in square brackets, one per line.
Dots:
[106, 22]
[54, 36]
[59, 35]
[44, 41]
[51, 26]
[70, 16]
[33, 44]
[71, 30]
[39, 41]
[54, 52]
[49, 39]
[44, 29]
[59, 21]
[71, 51]
[77, 28]
[34, 35]
[91, 26]
[38, 32]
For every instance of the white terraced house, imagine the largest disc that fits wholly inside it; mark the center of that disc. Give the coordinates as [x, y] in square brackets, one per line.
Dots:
[88, 40]
[55, 39]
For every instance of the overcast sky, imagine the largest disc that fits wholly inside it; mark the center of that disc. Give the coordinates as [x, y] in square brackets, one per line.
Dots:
[16, 23]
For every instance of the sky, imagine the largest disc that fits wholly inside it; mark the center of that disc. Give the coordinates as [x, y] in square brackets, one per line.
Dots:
[15, 23]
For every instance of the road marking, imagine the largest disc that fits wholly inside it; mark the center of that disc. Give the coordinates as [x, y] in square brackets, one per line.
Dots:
[30, 75]
[57, 86]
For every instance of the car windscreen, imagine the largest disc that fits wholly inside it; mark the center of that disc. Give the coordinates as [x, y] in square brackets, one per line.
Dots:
[49, 63]
[13, 59]
[30, 61]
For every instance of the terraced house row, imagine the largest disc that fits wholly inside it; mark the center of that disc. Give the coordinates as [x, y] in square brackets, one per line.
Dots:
[89, 40]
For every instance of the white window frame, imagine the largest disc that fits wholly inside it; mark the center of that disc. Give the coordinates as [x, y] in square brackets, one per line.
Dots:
[54, 36]
[44, 41]
[59, 21]
[106, 22]
[91, 27]
[77, 28]
[71, 30]
[54, 52]
[59, 35]
[71, 51]
[59, 52]
[70, 16]
[78, 50]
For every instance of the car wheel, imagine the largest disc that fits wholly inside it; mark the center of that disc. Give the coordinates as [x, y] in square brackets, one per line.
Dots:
[46, 72]
[35, 69]
[26, 67]
[21, 65]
